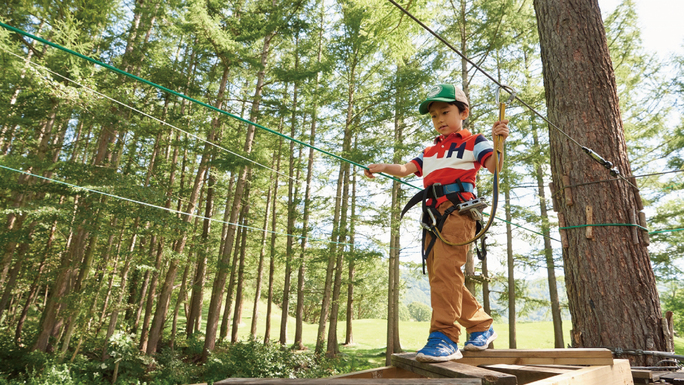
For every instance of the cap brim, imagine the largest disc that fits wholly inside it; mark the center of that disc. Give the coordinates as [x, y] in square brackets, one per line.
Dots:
[424, 106]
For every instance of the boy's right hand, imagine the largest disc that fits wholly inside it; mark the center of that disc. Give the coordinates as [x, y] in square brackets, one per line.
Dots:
[374, 168]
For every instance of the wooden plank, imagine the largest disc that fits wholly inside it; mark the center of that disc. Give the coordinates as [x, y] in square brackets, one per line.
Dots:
[538, 357]
[676, 378]
[451, 369]
[525, 373]
[350, 381]
[384, 372]
[642, 376]
[617, 374]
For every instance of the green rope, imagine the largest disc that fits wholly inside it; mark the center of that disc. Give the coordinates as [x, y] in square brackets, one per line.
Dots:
[603, 225]
[624, 224]
[77, 187]
[121, 72]
[666, 231]
[112, 68]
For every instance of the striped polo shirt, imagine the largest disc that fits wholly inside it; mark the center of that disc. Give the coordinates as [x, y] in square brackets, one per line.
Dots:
[456, 156]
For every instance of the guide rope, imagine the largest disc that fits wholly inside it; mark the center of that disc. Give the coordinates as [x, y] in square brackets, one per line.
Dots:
[587, 150]
[181, 95]
[153, 117]
[77, 187]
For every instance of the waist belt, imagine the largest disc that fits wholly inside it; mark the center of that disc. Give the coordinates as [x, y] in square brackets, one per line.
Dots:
[436, 191]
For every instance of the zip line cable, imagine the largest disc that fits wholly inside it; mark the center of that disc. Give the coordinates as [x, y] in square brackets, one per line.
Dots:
[167, 209]
[119, 71]
[589, 152]
[154, 118]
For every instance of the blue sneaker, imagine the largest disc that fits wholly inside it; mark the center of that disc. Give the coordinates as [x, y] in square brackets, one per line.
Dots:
[480, 340]
[439, 348]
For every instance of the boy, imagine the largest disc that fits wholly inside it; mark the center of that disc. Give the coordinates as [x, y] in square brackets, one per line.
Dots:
[449, 168]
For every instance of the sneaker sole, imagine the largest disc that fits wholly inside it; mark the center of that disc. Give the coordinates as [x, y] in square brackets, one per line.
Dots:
[471, 347]
[425, 358]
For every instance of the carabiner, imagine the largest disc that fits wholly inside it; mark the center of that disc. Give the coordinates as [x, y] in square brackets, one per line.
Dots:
[502, 105]
[508, 89]
[425, 225]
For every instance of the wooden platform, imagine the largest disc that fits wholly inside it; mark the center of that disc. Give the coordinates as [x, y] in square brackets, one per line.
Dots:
[490, 367]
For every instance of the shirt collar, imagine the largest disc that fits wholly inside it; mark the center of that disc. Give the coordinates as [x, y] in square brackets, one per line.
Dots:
[463, 133]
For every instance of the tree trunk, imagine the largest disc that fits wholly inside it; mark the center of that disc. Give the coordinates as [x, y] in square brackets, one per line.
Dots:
[285, 305]
[260, 268]
[327, 288]
[179, 301]
[237, 316]
[548, 254]
[272, 249]
[349, 337]
[510, 263]
[221, 274]
[608, 274]
[230, 290]
[333, 348]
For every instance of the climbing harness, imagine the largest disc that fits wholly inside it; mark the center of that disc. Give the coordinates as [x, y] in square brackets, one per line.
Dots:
[432, 221]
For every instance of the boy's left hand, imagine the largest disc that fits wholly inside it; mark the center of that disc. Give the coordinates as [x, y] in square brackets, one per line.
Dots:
[500, 128]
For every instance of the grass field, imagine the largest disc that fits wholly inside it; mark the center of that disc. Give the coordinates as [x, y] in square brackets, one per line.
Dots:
[368, 350]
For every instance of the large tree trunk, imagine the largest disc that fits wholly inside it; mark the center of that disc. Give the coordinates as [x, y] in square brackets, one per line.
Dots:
[611, 287]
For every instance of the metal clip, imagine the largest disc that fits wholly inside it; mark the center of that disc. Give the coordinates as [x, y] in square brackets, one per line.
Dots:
[508, 89]
[425, 225]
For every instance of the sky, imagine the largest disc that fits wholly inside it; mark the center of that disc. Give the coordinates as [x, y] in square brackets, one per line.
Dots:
[660, 23]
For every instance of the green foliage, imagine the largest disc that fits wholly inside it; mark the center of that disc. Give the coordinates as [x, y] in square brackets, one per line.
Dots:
[419, 311]
[254, 359]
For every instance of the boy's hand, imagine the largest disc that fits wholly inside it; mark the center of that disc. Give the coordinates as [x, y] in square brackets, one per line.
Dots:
[500, 128]
[374, 168]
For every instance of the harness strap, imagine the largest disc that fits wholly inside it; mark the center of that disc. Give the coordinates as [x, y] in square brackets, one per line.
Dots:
[429, 229]
[436, 191]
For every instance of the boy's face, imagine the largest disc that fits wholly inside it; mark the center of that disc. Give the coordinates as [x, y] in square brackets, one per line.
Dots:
[446, 118]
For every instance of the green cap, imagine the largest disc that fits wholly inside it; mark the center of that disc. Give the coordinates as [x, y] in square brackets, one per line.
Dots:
[443, 93]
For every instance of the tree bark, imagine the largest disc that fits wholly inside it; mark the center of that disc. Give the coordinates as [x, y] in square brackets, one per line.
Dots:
[608, 275]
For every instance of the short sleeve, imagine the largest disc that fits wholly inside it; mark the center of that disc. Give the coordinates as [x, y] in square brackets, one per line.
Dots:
[418, 161]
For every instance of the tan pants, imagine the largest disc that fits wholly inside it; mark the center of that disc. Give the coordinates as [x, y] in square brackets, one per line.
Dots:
[452, 303]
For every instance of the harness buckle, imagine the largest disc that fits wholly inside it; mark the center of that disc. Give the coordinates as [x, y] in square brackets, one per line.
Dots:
[434, 190]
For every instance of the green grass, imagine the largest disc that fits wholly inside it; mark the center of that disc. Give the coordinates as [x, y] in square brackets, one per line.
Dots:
[370, 335]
